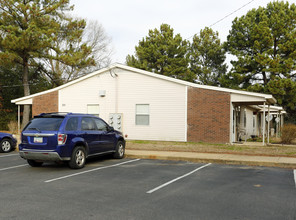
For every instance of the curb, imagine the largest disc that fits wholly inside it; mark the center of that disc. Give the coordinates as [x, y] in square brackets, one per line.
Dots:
[230, 161]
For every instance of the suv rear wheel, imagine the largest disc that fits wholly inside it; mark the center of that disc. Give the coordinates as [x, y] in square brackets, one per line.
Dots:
[78, 158]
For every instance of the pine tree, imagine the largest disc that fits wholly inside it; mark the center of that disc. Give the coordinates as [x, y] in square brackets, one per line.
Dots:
[207, 58]
[264, 43]
[29, 32]
[164, 53]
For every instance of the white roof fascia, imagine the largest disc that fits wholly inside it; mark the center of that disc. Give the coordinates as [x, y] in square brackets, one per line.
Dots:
[272, 108]
[25, 102]
[62, 86]
[268, 97]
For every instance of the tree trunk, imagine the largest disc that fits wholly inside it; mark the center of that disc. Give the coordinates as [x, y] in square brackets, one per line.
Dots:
[27, 108]
[264, 78]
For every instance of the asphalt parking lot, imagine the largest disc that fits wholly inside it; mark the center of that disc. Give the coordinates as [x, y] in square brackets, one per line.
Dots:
[144, 189]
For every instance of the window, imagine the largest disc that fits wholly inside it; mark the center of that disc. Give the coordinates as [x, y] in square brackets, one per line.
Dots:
[72, 124]
[101, 126]
[142, 114]
[93, 109]
[88, 124]
[44, 124]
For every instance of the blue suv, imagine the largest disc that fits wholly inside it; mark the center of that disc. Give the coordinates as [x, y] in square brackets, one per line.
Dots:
[68, 137]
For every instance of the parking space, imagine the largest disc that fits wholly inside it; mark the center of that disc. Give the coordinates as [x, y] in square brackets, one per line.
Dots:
[144, 189]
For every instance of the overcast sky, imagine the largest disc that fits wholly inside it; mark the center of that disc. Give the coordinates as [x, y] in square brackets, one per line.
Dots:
[128, 21]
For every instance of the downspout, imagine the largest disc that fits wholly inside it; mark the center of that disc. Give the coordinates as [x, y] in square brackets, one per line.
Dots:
[116, 94]
[115, 76]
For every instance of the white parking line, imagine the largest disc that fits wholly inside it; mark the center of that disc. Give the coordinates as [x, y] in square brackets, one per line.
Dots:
[9, 155]
[8, 168]
[87, 171]
[295, 177]
[174, 180]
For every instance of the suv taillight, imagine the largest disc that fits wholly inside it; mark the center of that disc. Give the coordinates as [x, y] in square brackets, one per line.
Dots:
[62, 139]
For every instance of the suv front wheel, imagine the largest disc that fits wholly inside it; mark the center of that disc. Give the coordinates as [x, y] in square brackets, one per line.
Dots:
[5, 145]
[78, 158]
[119, 152]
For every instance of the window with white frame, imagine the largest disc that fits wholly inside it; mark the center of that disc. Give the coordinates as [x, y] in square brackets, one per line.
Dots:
[142, 114]
[93, 109]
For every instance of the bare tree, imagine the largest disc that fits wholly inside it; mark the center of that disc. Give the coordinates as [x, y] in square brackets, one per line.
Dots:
[95, 37]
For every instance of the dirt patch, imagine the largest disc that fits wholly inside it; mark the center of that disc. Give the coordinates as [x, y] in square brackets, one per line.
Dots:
[241, 149]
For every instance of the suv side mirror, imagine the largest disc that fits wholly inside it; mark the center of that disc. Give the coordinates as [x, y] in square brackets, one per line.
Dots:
[110, 128]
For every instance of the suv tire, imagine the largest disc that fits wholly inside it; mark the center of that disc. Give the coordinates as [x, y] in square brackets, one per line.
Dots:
[119, 151]
[34, 163]
[78, 158]
[5, 145]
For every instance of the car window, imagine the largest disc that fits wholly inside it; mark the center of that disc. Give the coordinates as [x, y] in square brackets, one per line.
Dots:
[72, 124]
[88, 124]
[44, 124]
[101, 126]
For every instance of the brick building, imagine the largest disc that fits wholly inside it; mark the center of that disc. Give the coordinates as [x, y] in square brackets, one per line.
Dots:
[149, 106]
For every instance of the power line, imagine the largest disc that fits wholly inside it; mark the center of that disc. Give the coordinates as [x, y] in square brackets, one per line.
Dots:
[22, 85]
[36, 83]
[231, 13]
[227, 16]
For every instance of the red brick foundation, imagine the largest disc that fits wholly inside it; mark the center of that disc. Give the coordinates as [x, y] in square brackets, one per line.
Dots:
[208, 116]
[45, 103]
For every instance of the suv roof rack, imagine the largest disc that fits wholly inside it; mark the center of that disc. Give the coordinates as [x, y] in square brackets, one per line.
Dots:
[60, 114]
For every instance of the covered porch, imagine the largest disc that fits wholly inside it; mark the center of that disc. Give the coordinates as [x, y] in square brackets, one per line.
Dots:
[252, 115]
[19, 104]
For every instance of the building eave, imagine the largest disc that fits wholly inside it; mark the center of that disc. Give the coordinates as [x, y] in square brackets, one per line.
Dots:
[269, 98]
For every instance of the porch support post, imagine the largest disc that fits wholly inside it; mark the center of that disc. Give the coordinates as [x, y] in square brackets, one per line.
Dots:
[263, 132]
[268, 124]
[231, 124]
[18, 119]
[277, 124]
[282, 120]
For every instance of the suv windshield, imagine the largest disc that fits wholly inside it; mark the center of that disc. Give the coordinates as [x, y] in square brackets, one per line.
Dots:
[44, 124]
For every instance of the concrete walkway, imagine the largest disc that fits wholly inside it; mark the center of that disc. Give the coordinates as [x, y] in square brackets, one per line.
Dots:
[283, 162]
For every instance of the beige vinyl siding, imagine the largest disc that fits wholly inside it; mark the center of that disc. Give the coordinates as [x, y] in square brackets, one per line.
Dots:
[166, 100]
[77, 97]
[167, 108]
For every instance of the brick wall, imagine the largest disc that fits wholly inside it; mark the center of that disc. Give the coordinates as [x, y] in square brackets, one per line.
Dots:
[208, 116]
[45, 103]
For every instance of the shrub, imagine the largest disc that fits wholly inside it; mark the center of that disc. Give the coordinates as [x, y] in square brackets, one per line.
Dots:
[288, 133]
[4, 119]
[12, 126]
